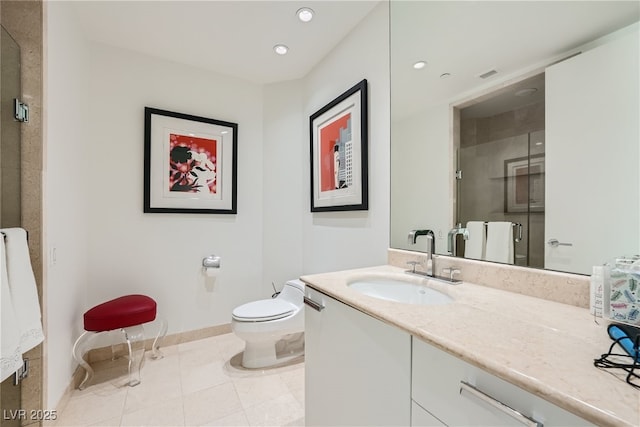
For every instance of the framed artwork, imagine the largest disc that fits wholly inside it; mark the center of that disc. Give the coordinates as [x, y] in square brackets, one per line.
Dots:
[524, 184]
[190, 164]
[339, 139]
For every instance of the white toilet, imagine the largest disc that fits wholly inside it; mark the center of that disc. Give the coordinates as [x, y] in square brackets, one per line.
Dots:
[273, 329]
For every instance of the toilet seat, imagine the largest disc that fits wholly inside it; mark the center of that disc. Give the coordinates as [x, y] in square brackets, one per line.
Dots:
[263, 310]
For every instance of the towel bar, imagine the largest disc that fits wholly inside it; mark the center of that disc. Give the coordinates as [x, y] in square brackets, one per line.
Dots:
[515, 225]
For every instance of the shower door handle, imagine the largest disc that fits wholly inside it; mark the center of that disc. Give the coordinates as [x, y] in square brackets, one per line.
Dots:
[554, 243]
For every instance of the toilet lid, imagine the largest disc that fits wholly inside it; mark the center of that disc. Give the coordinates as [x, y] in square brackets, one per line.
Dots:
[263, 310]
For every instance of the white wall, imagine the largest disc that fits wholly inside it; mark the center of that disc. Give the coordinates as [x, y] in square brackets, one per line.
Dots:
[108, 247]
[342, 240]
[420, 192]
[160, 255]
[295, 240]
[65, 192]
[285, 160]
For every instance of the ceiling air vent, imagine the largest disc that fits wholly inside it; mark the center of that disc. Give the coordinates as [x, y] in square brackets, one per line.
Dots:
[488, 74]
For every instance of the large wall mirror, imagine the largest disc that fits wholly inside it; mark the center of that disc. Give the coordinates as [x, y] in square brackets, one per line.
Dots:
[517, 119]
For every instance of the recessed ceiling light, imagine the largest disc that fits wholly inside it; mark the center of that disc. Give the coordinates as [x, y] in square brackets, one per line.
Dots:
[419, 65]
[305, 14]
[526, 92]
[281, 49]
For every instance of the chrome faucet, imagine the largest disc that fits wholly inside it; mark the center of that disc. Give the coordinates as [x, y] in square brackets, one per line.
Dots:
[453, 233]
[431, 247]
[429, 266]
[414, 234]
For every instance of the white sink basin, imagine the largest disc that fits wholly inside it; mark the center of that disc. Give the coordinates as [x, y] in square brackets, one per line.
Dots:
[400, 291]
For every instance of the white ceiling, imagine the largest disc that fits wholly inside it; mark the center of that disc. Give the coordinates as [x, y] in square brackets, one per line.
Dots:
[463, 38]
[230, 37]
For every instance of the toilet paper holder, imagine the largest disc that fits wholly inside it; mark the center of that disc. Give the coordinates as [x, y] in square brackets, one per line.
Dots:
[212, 261]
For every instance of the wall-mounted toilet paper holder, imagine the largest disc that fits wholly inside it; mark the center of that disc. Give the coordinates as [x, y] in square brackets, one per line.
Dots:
[212, 261]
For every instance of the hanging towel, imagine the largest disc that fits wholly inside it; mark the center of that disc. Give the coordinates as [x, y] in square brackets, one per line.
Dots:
[500, 242]
[10, 354]
[22, 285]
[475, 245]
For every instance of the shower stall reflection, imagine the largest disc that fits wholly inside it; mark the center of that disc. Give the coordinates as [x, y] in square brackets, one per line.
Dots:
[502, 159]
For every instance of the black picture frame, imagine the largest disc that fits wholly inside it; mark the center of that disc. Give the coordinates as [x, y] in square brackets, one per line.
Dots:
[339, 153]
[190, 163]
[524, 183]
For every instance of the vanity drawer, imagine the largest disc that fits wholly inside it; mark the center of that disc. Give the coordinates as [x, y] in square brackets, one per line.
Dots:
[458, 393]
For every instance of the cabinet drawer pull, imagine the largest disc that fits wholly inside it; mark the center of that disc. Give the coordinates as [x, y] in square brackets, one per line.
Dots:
[506, 409]
[315, 305]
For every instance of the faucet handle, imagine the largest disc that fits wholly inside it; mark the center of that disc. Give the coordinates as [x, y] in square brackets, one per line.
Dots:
[451, 271]
[413, 265]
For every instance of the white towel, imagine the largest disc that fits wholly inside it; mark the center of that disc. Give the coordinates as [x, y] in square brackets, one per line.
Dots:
[10, 354]
[22, 286]
[475, 245]
[500, 242]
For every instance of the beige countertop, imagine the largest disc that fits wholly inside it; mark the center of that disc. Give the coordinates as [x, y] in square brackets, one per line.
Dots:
[544, 347]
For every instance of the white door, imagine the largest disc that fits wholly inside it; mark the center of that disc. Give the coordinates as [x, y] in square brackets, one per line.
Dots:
[357, 369]
[592, 166]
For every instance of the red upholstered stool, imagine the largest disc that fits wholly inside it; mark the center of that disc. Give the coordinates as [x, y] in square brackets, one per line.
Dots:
[126, 313]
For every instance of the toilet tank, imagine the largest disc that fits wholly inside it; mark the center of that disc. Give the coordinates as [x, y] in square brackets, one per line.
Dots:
[293, 292]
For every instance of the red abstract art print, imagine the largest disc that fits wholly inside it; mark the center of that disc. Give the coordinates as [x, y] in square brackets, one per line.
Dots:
[192, 164]
[329, 138]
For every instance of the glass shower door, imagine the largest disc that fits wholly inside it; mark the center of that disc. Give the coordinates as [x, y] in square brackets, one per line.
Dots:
[10, 206]
[503, 180]
[10, 89]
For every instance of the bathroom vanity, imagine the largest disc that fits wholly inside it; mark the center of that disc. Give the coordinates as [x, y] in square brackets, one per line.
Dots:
[348, 356]
[487, 357]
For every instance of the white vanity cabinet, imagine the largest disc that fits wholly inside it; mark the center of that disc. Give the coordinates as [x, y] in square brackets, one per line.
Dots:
[357, 368]
[422, 417]
[456, 393]
[361, 371]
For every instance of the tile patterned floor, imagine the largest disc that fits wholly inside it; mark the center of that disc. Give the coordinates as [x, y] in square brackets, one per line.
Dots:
[200, 383]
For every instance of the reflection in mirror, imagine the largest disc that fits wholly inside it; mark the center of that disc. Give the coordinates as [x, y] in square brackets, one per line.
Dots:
[486, 134]
[501, 162]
